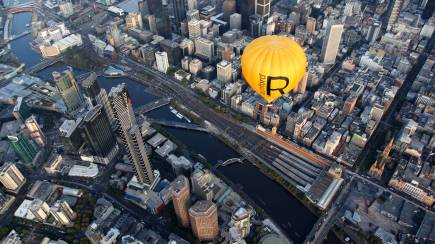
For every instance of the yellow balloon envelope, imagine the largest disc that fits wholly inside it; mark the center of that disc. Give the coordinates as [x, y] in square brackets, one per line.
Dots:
[273, 65]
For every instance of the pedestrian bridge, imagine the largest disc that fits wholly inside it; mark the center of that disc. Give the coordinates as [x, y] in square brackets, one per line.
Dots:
[228, 162]
[152, 106]
[180, 125]
[14, 37]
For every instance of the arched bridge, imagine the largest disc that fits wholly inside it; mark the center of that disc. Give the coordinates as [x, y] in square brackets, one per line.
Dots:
[228, 162]
[176, 124]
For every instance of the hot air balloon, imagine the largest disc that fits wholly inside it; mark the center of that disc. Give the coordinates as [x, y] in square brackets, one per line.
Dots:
[273, 65]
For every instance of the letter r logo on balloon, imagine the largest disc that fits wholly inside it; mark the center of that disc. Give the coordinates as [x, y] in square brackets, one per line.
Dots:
[279, 84]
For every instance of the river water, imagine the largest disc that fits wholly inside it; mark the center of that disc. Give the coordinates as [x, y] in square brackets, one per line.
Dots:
[290, 214]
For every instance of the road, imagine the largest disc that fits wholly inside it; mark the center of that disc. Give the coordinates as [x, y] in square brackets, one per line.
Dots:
[324, 223]
[101, 189]
[368, 180]
[369, 153]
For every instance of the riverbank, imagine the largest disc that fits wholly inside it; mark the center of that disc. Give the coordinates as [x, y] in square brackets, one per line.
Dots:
[196, 157]
[299, 195]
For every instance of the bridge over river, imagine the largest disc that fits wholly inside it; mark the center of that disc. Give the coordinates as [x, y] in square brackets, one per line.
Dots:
[152, 106]
[227, 162]
[175, 124]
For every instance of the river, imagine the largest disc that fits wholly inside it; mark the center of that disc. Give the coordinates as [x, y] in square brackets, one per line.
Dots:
[290, 214]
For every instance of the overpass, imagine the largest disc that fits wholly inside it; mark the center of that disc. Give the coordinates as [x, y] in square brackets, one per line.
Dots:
[152, 105]
[180, 125]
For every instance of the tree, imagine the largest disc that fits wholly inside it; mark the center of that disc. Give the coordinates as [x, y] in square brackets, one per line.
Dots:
[4, 231]
[373, 240]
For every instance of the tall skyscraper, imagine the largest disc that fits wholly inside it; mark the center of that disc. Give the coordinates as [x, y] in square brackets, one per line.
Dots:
[246, 8]
[202, 184]
[129, 133]
[70, 135]
[192, 14]
[373, 33]
[236, 21]
[204, 49]
[96, 95]
[66, 8]
[194, 29]
[302, 85]
[292, 119]
[229, 8]
[25, 148]
[40, 209]
[204, 220]
[180, 198]
[96, 128]
[179, 7]
[142, 6]
[224, 71]
[311, 25]
[62, 212]
[192, 4]
[255, 25]
[262, 8]
[162, 61]
[331, 42]
[35, 131]
[172, 50]
[68, 89]
[349, 103]
[187, 47]
[114, 35]
[396, 7]
[151, 23]
[154, 6]
[147, 53]
[241, 219]
[21, 110]
[11, 177]
[195, 66]
[163, 21]
[134, 20]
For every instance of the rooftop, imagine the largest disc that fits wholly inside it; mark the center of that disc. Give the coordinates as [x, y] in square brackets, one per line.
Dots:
[202, 208]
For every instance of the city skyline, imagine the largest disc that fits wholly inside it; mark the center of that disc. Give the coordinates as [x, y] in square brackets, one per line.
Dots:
[137, 122]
